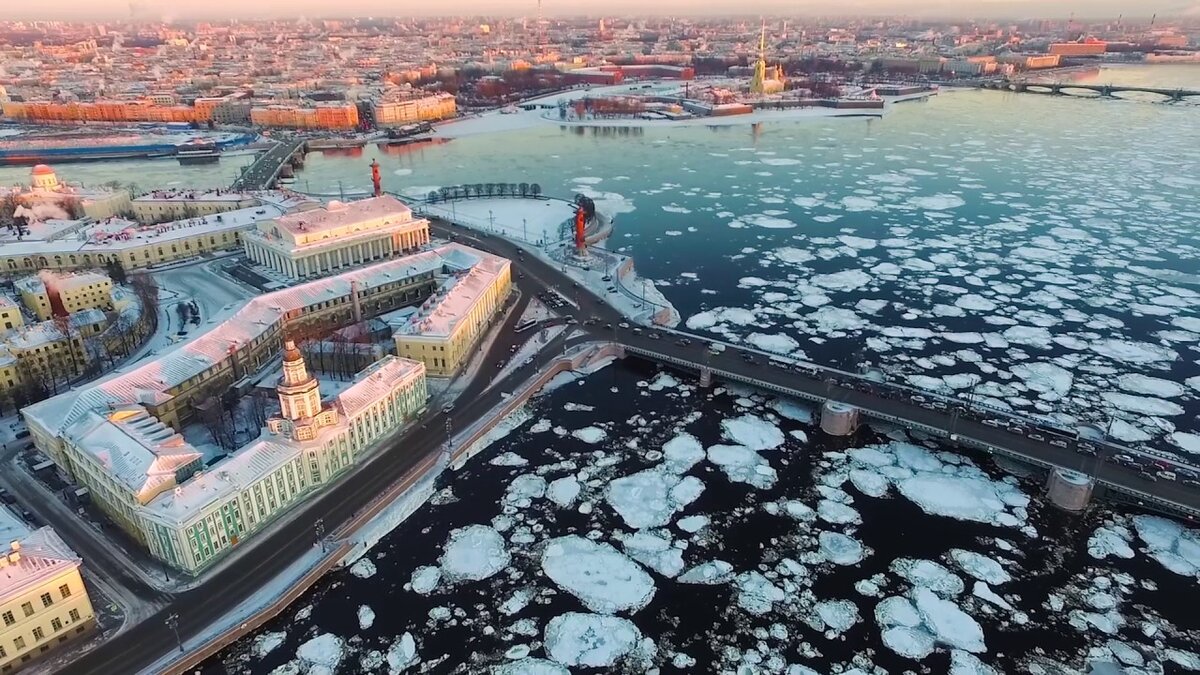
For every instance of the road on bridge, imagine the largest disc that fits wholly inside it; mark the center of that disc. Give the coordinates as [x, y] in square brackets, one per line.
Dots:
[262, 173]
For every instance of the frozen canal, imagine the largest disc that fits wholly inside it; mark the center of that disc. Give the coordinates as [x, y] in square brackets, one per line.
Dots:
[635, 521]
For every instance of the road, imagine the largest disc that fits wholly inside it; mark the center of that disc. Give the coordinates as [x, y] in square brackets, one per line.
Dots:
[260, 174]
[733, 361]
[274, 550]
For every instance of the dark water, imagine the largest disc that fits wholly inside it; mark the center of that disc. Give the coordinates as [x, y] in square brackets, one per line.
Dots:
[705, 621]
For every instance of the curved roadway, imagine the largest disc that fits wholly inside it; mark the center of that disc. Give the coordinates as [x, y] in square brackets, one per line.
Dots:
[272, 551]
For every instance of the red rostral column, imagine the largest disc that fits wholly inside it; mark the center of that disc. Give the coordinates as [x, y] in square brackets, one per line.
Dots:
[375, 179]
[580, 243]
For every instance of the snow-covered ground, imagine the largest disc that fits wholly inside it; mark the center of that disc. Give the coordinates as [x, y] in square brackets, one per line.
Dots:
[533, 221]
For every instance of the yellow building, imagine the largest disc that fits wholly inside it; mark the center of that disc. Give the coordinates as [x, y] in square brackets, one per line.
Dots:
[80, 291]
[443, 331]
[10, 314]
[162, 206]
[43, 601]
[35, 296]
[415, 109]
[319, 241]
[85, 244]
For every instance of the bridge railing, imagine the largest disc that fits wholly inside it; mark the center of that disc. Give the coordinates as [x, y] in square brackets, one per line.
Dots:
[937, 431]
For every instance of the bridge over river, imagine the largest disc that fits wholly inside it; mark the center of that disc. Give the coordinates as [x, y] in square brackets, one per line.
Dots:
[262, 174]
[1077, 89]
[1014, 437]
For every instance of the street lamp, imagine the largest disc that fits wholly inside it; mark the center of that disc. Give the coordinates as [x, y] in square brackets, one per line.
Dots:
[319, 528]
[172, 620]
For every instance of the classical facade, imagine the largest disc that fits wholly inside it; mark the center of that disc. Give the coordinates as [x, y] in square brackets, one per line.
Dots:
[43, 601]
[162, 206]
[444, 330]
[320, 241]
[213, 223]
[408, 109]
[120, 436]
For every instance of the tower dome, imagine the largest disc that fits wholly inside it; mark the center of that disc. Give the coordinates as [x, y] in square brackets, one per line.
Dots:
[43, 178]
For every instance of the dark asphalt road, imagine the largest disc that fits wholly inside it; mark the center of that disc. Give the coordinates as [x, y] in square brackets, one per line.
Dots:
[273, 550]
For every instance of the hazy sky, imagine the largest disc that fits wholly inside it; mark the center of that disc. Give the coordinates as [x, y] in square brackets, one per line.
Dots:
[114, 9]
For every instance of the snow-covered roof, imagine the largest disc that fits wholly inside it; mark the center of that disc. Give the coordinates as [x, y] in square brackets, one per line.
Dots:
[86, 317]
[376, 381]
[240, 470]
[30, 284]
[179, 195]
[371, 212]
[116, 233]
[41, 555]
[440, 315]
[68, 282]
[135, 447]
[150, 381]
[35, 335]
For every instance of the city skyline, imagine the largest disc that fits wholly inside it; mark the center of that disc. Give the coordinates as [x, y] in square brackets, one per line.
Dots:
[84, 10]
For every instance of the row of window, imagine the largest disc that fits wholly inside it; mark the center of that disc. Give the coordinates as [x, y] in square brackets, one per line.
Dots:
[27, 607]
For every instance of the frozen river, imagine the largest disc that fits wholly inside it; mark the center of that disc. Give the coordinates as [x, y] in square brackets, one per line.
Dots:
[1037, 253]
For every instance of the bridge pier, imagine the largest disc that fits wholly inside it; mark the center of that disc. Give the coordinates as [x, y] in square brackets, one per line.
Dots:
[706, 377]
[839, 419]
[1069, 490]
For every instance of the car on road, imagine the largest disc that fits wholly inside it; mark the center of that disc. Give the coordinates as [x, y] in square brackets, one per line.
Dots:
[1058, 443]
[6, 497]
[1146, 475]
[1167, 475]
[623, 325]
[1088, 450]
[528, 361]
[683, 342]
[919, 399]
[1016, 430]
[993, 423]
[654, 336]
[1191, 482]
[1036, 437]
[448, 407]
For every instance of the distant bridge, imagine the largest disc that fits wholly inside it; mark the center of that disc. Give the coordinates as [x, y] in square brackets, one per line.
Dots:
[262, 174]
[1076, 89]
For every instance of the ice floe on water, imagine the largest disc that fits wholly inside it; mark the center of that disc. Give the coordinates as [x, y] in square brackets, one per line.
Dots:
[1174, 546]
[590, 434]
[961, 491]
[602, 578]
[752, 431]
[473, 553]
[590, 640]
[651, 498]
[742, 465]
[322, 655]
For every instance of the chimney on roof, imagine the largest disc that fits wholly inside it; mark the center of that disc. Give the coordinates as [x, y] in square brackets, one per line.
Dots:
[15, 545]
[354, 301]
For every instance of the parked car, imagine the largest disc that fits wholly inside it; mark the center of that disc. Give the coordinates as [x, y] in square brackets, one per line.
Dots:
[448, 407]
